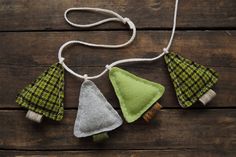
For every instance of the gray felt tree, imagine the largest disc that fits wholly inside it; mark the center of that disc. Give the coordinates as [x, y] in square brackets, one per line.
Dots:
[95, 116]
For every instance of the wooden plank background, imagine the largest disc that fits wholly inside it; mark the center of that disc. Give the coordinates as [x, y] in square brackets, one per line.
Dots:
[31, 33]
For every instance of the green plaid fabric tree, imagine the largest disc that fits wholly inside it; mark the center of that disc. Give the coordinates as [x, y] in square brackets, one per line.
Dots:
[44, 96]
[192, 81]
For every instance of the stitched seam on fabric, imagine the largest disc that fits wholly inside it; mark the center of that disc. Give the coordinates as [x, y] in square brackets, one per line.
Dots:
[202, 91]
[197, 94]
[50, 112]
[150, 103]
[24, 104]
[112, 127]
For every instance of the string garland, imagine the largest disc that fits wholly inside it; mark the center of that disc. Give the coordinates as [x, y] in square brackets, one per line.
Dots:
[137, 96]
[118, 18]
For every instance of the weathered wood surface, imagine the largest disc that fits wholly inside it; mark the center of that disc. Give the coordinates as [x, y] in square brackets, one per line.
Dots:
[120, 153]
[48, 15]
[211, 48]
[25, 55]
[31, 33]
[173, 129]
[14, 78]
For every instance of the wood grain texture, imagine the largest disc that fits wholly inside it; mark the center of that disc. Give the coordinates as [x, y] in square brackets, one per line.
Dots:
[210, 48]
[171, 129]
[31, 33]
[48, 15]
[25, 55]
[14, 78]
[120, 153]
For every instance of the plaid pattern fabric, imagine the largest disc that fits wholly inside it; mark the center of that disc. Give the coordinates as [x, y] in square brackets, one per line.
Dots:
[191, 80]
[45, 95]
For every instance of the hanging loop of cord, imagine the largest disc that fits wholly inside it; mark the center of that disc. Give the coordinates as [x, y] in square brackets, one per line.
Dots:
[116, 18]
[104, 11]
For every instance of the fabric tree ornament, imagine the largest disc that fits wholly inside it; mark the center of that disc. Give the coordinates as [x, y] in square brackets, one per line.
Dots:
[192, 81]
[44, 96]
[136, 95]
[95, 116]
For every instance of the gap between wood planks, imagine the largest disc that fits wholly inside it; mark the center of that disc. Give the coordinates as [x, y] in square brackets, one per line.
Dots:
[118, 108]
[170, 129]
[120, 29]
[122, 153]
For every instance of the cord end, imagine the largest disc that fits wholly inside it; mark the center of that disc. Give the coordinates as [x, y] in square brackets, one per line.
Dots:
[108, 67]
[85, 77]
[165, 50]
[129, 22]
[61, 60]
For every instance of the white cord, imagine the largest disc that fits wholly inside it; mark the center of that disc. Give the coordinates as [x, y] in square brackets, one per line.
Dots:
[109, 12]
[166, 50]
[116, 18]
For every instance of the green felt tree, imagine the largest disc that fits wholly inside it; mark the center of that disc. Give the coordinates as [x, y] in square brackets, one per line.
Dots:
[136, 95]
[192, 81]
[44, 96]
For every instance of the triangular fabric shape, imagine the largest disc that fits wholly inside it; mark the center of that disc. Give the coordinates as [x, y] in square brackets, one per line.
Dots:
[191, 80]
[136, 95]
[46, 94]
[95, 114]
